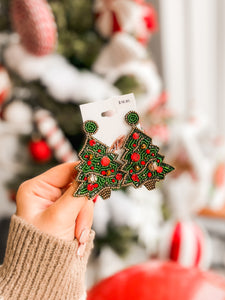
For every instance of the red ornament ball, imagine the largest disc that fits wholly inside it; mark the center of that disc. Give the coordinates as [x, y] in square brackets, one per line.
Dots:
[164, 280]
[135, 157]
[119, 176]
[135, 136]
[40, 151]
[134, 145]
[92, 142]
[149, 174]
[92, 168]
[85, 178]
[105, 161]
[90, 187]
[143, 162]
[89, 163]
[159, 169]
[131, 171]
[103, 172]
[147, 151]
[99, 150]
[153, 154]
[95, 185]
[113, 180]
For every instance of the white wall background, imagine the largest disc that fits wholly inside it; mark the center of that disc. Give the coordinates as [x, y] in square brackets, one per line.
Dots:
[192, 42]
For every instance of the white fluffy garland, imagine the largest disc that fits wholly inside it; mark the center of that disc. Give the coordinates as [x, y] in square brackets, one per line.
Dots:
[63, 81]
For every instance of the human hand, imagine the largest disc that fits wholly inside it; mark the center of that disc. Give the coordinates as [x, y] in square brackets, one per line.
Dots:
[47, 202]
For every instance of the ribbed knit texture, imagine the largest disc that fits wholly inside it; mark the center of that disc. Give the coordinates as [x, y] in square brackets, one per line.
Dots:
[41, 266]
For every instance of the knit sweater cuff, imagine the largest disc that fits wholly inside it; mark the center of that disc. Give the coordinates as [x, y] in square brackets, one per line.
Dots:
[41, 266]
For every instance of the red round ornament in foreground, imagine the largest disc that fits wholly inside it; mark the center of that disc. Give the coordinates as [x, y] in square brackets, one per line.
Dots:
[157, 280]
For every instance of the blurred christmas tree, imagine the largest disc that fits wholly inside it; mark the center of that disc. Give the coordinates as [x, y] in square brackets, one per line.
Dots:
[56, 56]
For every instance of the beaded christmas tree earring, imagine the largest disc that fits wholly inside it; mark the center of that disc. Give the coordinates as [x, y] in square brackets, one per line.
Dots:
[142, 162]
[99, 171]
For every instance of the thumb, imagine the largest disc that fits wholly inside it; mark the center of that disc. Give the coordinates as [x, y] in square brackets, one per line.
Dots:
[67, 205]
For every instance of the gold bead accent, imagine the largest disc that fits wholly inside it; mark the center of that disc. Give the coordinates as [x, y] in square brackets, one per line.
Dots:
[143, 146]
[137, 168]
[90, 156]
[108, 172]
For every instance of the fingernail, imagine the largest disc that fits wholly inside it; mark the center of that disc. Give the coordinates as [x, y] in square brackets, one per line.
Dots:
[81, 249]
[84, 236]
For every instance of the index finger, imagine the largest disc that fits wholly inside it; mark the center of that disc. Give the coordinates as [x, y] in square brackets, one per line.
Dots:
[61, 175]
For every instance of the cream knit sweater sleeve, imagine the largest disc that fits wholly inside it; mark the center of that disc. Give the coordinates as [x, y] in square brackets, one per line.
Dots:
[41, 266]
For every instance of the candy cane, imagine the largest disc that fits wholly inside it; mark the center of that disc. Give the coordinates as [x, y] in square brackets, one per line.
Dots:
[54, 136]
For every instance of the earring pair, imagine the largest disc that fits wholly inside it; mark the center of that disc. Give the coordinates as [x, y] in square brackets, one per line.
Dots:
[100, 170]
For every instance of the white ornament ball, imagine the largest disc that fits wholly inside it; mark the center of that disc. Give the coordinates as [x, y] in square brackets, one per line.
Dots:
[186, 243]
[19, 114]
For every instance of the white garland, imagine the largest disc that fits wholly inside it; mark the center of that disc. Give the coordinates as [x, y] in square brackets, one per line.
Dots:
[122, 56]
[63, 81]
